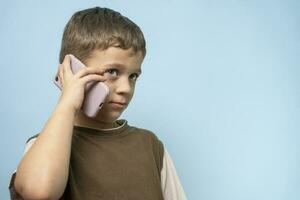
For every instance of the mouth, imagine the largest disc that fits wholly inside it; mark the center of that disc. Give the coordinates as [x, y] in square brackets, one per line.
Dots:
[117, 104]
[121, 103]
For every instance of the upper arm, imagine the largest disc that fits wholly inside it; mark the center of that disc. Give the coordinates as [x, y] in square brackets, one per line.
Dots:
[13, 193]
[170, 183]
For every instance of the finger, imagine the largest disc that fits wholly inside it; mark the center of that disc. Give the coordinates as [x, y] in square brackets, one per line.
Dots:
[60, 70]
[89, 70]
[60, 74]
[92, 77]
[67, 65]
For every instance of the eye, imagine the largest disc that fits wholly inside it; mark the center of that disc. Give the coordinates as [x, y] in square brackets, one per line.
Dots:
[134, 76]
[112, 72]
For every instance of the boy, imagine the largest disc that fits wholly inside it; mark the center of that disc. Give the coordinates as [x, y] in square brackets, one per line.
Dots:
[77, 157]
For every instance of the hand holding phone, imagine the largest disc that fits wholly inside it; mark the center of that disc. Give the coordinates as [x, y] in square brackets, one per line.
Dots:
[95, 93]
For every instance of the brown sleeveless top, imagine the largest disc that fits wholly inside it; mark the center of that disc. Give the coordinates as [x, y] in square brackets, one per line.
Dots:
[114, 164]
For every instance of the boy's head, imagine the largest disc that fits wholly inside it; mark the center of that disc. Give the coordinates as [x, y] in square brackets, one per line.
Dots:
[103, 38]
[100, 28]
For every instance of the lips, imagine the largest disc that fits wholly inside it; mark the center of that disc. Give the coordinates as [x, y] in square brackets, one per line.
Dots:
[118, 103]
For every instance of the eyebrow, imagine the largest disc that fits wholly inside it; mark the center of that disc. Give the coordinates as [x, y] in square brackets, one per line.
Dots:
[122, 66]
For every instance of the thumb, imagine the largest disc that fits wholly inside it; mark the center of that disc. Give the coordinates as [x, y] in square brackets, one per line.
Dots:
[67, 64]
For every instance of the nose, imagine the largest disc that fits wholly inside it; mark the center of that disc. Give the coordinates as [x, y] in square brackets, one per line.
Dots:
[123, 86]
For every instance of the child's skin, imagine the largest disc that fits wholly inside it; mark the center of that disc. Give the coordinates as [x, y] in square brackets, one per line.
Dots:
[43, 171]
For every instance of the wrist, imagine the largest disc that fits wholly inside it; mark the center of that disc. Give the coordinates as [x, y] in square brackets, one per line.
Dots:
[65, 107]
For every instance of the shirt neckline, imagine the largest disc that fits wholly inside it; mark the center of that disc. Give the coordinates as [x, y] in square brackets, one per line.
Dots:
[110, 132]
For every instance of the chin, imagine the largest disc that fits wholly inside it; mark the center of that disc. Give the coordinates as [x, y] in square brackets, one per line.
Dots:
[108, 117]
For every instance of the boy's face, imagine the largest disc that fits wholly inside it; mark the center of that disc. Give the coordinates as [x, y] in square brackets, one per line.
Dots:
[122, 68]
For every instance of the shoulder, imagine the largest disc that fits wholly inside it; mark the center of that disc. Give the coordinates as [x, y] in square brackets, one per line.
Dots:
[155, 144]
[152, 138]
[147, 134]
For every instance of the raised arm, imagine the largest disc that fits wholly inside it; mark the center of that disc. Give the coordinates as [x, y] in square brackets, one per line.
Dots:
[43, 171]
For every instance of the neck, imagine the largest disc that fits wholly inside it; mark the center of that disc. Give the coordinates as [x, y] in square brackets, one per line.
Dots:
[82, 120]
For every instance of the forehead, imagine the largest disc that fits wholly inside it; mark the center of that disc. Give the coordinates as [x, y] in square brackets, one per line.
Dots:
[115, 55]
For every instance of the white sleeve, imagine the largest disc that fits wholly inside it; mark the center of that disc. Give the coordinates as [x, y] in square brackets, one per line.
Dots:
[170, 183]
[28, 145]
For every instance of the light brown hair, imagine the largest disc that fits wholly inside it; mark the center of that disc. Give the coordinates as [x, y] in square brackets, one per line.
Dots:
[99, 28]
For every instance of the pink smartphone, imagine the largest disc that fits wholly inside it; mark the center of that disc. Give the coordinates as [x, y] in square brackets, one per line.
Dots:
[95, 92]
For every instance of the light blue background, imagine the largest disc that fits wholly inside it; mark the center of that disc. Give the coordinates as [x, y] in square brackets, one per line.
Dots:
[220, 88]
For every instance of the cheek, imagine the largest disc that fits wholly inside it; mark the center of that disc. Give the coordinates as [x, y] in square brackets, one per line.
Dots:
[108, 81]
[131, 95]
[110, 85]
[132, 89]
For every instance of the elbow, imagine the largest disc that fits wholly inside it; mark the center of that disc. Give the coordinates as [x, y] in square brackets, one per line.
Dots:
[35, 191]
